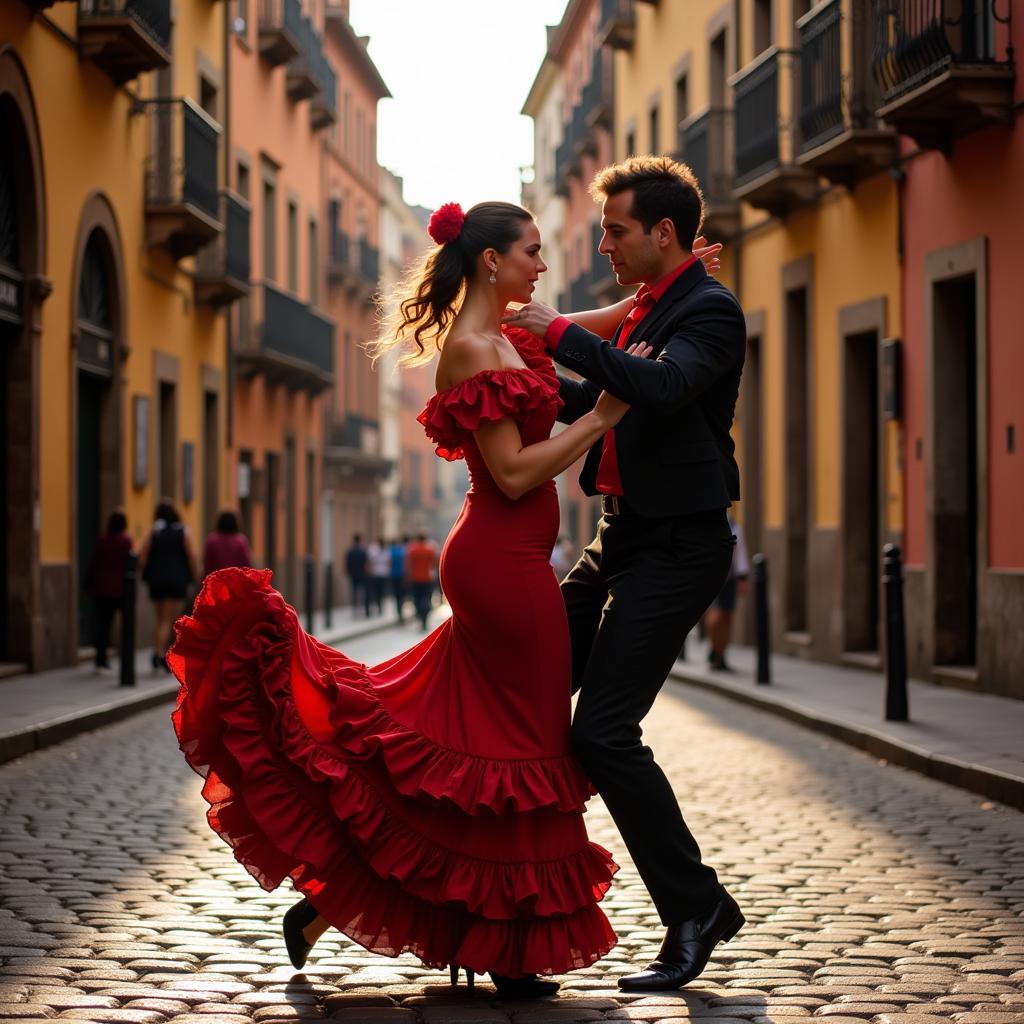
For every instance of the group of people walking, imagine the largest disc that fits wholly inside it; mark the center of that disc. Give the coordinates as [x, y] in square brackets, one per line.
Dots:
[398, 569]
[167, 564]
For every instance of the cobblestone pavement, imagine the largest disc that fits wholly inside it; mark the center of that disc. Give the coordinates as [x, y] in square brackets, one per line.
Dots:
[871, 894]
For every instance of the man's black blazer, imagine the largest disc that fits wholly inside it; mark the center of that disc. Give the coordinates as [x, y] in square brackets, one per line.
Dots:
[674, 449]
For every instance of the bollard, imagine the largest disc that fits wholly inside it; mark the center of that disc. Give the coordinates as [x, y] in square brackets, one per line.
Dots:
[308, 590]
[759, 572]
[131, 573]
[328, 593]
[895, 636]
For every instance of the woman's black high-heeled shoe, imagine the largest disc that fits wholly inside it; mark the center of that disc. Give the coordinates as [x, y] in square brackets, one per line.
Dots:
[297, 918]
[527, 987]
[470, 977]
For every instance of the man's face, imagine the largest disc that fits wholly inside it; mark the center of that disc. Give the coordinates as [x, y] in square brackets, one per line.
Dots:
[633, 252]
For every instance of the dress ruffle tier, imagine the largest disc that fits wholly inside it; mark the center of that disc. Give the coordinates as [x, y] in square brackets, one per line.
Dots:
[394, 837]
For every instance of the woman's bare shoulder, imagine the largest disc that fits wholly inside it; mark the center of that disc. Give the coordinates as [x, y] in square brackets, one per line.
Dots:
[464, 354]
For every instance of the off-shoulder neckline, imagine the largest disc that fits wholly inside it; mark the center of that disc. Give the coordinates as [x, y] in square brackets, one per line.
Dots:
[498, 372]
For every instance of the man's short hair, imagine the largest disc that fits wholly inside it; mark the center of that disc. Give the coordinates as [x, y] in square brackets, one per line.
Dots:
[662, 187]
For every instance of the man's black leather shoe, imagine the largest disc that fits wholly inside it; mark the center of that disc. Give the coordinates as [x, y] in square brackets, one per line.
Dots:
[687, 949]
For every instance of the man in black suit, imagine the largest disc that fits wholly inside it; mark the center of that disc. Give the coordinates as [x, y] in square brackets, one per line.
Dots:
[663, 548]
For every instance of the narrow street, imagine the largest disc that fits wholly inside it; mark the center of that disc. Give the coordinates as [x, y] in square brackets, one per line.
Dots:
[871, 893]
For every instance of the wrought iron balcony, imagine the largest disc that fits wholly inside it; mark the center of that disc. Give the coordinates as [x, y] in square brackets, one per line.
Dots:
[352, 263]
[125, 37]
[943, 67]
[280, 30]
[766, 175]
[618, 24]
[323, 107]
[602, 280]
[563, 163]
[182, 202]
[705, 144]
[598, 95]
[580, 295]
[369, 262]
[840, 135]
[300, 80]
[355, 444]
[223, 267]
[290, 345]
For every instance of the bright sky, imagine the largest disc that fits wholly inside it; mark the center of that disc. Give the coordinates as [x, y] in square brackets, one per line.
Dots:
[459, 72]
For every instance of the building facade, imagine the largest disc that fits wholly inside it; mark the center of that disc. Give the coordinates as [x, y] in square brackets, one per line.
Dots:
[283, 101]
[114, 389]
[354, 466]
[961, 167]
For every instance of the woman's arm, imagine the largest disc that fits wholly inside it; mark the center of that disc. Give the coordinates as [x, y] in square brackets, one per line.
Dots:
[602, 322]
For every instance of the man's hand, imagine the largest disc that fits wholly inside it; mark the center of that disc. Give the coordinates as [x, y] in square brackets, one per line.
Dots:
[708, 254]
[535, 317]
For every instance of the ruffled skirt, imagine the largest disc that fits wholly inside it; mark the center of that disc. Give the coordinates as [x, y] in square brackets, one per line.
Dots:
[314, 773]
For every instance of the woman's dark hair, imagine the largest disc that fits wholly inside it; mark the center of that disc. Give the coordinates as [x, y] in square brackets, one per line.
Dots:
[227, 522]
[117, 523]
[166, 511]
[662, 187]
[429, 297]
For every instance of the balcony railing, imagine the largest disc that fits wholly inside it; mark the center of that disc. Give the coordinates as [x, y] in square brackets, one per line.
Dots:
[182, 204]
[355, 444]
[369, 262]
[705, 145]
[352, 263]
[766, 175]
[223, 267]
[291, 345]
[280, 30]
[943, 67]
[324, 105]
[580, 295]
[840, 136]
[618, 24]
[300, 81]
[598, 95]
[125, 37]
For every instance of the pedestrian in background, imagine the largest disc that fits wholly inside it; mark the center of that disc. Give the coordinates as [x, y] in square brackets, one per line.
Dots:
[355, 569]
[104, 581]
[169, 566]
[718, 620]
[562, 557]
[226, 547]
[398, 571]
[421, 558]
[379, 567]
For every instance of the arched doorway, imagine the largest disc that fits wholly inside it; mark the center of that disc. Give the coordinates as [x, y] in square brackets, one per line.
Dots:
[23, 287]
[97, 339]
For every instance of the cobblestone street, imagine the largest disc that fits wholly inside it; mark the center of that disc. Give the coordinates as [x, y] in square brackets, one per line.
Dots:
[871, 893]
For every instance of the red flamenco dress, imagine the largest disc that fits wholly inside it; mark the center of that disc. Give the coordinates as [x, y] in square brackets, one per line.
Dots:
[431, 803]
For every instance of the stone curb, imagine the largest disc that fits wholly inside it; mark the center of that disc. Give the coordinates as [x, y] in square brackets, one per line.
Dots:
[49, 733]
[988, 782]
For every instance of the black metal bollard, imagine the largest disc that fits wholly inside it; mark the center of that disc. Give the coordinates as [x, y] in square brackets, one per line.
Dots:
[759, 572]
[328, 593]
[896, 709]
[131, 574]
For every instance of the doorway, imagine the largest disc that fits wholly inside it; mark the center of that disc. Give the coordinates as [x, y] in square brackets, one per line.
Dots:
[861, 489]
[797, 448]
[955, 473]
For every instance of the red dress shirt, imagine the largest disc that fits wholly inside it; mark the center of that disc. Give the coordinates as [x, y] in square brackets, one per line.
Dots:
[608, 479]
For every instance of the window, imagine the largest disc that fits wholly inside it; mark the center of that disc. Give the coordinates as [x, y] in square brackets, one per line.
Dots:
[630, 142]
[293, 247]
[208, 96]
[762, 25]
[719, 71]
[314, 262]
[269, 224]
[655, 129]
[242, 179]
[346, 120]
[682, 108]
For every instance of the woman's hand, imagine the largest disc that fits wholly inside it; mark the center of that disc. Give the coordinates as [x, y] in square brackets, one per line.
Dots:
[708, 254]
[610, 409]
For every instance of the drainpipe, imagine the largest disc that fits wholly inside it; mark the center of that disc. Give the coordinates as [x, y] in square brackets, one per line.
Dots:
[229, 362]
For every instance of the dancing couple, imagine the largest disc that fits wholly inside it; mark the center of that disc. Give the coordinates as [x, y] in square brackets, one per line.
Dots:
[434, 803]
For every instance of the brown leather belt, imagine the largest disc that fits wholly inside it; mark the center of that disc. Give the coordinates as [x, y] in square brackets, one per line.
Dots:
[614, 505]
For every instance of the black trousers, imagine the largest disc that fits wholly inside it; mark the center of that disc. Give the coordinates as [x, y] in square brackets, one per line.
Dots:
[398, 589]
[637, 590]
[106, 608]
[422, 597]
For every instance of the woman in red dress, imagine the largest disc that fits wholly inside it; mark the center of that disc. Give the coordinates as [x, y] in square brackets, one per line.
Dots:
[431, 803]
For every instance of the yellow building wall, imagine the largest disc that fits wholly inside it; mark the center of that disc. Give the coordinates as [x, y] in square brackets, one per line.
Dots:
[92, 143]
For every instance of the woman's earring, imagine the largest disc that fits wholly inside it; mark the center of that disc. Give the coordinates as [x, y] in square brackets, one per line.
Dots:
[494, 277]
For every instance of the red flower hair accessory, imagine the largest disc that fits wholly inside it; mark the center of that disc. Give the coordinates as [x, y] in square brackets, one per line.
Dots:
[446, 223]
